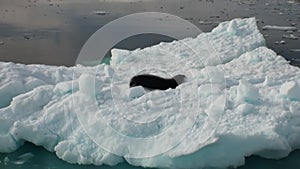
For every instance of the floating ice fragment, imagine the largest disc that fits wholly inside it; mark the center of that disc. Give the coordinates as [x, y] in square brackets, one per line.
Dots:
[280, 42]
[18, 162]
[23, 158]
[100, 12]
[285, 28]
[28, 36]
[266, 35]
[295, 50]
[26, 156]
[290, 36]
[293, 24]
[6, 160]
[208, 22]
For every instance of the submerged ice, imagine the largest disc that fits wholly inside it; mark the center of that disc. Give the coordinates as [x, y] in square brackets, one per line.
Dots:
[239, 99]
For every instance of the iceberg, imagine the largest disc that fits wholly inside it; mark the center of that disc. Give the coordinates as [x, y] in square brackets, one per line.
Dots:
[239, 99]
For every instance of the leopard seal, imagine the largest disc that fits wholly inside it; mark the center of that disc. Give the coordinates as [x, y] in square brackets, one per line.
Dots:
[155, 82]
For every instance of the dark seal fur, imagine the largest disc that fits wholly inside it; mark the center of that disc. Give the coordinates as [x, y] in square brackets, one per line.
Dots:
[156, 82]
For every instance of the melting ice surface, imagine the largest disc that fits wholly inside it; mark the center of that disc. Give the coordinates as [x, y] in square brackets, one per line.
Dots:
[239, 99]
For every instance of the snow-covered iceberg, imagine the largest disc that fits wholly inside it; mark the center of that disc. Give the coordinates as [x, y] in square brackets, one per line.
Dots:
[239, 99]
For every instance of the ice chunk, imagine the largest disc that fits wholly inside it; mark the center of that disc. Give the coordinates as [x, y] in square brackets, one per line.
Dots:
[295, 50]
[136, 91]
[232, 28]
[118, 55]
[245, 108]
[217, 108]
[9, 90]
[23, 103]
[66, 87]
[285, 28]
[100, 12]
[290, 36]
[23, 158]
[214, 75]
[269, 81]
[209, 89]
[208, 22]
[290, 90]
[6, 160]
[109, 72]
[87, 85]
[246, 92]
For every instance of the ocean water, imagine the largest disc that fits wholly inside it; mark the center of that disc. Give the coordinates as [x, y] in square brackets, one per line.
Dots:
[42, 159]
[60, 28]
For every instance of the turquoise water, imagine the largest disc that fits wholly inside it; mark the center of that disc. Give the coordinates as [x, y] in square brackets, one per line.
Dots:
[43, 159]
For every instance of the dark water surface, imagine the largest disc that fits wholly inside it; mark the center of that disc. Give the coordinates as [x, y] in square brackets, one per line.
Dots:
[43, 159]
[53, 31]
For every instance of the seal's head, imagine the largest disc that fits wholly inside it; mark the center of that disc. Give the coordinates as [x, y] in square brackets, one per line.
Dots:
[179, 79]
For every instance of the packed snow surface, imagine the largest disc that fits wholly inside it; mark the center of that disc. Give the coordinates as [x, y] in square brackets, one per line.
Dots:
[239, 99]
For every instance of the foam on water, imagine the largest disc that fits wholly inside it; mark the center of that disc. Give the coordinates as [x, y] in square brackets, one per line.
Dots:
[239, 99]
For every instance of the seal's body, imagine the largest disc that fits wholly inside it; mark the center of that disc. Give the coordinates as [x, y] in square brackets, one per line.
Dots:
[156, 82]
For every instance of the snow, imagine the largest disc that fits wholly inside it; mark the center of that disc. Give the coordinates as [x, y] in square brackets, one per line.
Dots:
[239, 98]
[87, 85]
[246, 92]
[290, 90]
[136, 91]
